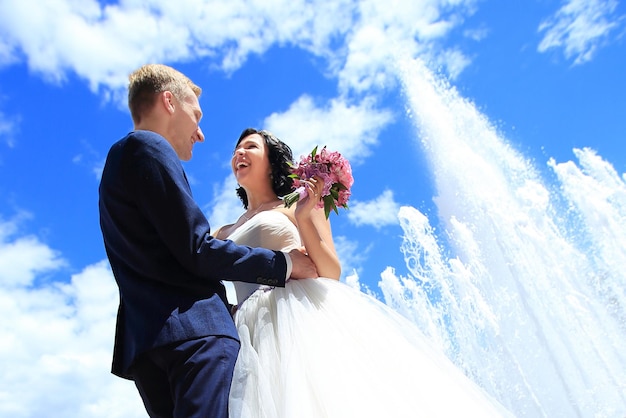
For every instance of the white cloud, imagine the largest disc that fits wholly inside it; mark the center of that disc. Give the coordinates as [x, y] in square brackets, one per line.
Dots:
[97, 169]
[357, 39]
[57, 338]
[226, 206]
[579, 27]
[23, 258]
[378, 213]
[351, 256]
[242, 28]
[349, 129]
[91, 159]
[476, 34]
[8, 127]
[94, 41]
[387, 30]
[453, 60]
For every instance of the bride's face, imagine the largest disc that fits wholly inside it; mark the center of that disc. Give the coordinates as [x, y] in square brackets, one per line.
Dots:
[250, 161]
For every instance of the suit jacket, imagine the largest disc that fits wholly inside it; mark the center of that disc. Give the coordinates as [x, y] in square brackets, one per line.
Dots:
[167, 265]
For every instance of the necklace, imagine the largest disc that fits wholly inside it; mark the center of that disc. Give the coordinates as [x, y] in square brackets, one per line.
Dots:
[257, 210]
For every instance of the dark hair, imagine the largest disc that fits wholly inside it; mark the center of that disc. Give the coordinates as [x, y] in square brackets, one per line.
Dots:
[280, 158]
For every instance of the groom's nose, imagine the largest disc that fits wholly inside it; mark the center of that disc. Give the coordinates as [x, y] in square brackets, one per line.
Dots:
[198, 136]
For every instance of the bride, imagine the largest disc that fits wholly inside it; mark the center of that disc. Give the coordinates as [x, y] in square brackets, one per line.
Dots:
[318, 348]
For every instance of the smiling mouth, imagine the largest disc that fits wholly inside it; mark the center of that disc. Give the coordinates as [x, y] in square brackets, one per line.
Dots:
[241, 165]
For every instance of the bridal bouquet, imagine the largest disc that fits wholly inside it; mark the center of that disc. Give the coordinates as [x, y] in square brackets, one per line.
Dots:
[336, 172]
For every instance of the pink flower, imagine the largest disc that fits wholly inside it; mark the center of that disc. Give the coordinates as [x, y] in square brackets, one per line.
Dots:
[336, 172]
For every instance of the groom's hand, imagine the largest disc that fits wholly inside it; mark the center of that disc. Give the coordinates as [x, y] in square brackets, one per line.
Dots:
[302, 266]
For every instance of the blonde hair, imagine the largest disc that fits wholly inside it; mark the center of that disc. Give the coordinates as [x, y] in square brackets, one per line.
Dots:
[150, 80]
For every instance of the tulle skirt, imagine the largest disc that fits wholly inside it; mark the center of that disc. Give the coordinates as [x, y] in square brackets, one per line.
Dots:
[320, 349]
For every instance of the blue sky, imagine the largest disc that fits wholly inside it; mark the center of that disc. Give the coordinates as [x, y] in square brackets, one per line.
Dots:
[549, 75]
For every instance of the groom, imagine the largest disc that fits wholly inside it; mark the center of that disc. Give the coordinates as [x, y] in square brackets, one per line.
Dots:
[174, 336]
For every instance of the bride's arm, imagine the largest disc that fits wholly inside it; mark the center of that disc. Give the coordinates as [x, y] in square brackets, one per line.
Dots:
[316, 233]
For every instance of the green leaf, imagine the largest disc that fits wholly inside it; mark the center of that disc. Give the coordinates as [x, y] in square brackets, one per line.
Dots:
[328, 205]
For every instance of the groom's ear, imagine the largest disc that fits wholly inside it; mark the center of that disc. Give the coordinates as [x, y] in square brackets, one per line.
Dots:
[167, 101]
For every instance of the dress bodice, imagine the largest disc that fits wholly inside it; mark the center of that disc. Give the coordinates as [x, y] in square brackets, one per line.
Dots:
[269, 229]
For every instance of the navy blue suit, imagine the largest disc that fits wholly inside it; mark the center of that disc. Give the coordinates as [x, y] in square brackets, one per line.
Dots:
[167, 265]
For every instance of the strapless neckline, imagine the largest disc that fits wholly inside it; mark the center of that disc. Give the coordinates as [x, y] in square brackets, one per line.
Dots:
[268, 217]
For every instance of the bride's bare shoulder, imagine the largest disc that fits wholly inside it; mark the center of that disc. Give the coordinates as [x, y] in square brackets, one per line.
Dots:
[223, 231]
[288, 212]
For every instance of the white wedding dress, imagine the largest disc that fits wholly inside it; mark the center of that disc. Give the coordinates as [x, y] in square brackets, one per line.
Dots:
[321, 349]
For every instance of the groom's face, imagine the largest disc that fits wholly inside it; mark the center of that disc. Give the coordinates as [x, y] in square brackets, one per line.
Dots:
[185, 130]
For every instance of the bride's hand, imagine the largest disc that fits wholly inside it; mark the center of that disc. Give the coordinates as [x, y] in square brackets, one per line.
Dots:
[314, 188]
